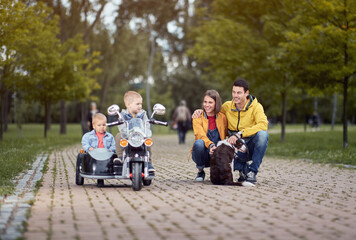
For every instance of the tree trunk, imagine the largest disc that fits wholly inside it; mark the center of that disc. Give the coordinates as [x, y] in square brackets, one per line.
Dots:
[333, 117]
[2, 96]
[47, 117]
[63, 118]
[284, 110]
[316, 104]
[149, 70]
[103, 91]
[84, 117]
[344, 114]
[6, 110]
[18, 114]
[2, 109]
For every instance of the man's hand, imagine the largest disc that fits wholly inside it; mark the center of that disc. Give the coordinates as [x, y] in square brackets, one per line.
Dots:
[212, 149]
[232, 140]
[197, 113]
[91, 148]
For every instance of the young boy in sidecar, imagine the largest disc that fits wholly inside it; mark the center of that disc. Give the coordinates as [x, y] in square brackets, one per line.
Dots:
[98, 137]
[97, 144]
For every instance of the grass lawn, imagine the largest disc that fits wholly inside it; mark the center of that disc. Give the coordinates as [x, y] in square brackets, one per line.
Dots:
[17, 154]
[324, 146]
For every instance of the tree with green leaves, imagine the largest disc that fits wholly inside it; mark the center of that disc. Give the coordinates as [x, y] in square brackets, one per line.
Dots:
[322, 48]
[27, 35]
[43, 69]
[241, 38]
[74, 19]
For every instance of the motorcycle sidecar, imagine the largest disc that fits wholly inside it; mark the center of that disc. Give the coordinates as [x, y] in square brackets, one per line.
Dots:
[97, 164]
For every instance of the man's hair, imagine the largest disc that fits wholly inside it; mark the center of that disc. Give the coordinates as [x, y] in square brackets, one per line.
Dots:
[241, 83]
[214, 95]
[98, 116]
[130, 96]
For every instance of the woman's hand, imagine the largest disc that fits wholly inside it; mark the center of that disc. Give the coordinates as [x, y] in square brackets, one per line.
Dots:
[212, 149]
[197, 113]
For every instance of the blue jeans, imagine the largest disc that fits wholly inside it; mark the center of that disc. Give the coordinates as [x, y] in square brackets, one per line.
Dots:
[182, 130]
[257, 145]
[200, 153]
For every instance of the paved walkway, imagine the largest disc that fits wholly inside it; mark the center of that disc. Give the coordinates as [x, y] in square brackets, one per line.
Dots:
[292, 200]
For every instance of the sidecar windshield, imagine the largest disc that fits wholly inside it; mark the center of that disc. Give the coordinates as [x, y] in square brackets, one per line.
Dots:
[137, 124]
[100, 154]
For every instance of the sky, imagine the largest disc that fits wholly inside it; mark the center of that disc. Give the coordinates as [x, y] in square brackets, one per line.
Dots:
[108, 14]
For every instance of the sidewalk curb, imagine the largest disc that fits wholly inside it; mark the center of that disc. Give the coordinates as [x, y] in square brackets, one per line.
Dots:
[14, 208]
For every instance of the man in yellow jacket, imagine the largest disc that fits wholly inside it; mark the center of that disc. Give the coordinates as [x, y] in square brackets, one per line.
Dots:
[246, 120]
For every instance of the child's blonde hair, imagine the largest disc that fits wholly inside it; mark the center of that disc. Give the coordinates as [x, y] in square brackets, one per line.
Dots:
[130, 96]
[98, 116]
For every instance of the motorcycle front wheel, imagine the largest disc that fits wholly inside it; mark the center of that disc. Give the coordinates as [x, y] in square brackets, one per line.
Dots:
[136, 176]
[147, 182]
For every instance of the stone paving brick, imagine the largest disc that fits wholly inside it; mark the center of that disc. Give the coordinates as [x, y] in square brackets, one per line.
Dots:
[292, 200]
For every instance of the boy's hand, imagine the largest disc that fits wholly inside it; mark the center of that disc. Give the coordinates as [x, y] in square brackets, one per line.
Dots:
[197, 113]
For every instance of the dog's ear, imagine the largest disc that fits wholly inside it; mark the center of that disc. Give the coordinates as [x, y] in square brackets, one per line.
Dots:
[230, 152]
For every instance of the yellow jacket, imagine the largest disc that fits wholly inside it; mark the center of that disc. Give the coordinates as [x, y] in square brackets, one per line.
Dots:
[201, 125]
[249, 120]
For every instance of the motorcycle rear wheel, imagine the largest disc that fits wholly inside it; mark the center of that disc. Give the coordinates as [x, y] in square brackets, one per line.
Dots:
[100, 183]
[136, 176]
[79, 180]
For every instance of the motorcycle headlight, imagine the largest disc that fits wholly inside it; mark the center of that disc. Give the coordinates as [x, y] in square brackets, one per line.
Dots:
[136, 139]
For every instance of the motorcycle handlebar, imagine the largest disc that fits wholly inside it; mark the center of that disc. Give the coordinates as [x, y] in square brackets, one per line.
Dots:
[159, 122]
[114, 123]
[153, 121]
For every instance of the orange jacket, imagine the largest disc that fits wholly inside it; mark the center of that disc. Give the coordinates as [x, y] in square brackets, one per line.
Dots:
[201, 125]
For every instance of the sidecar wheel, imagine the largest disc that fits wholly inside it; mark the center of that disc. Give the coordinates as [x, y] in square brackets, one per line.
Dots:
[147, 182]
[79, 180]
[136, 176]
[100, 183]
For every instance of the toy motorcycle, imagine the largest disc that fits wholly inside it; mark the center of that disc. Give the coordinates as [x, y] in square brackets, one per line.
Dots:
[136, 137]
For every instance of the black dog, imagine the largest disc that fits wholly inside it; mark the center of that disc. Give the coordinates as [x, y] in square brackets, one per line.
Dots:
[220, 168]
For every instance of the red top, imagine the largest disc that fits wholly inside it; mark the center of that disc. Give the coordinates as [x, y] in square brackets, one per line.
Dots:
[100, 137]
[212, 124]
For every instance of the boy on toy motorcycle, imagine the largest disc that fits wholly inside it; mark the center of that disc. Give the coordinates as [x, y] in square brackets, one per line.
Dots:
[133, 103]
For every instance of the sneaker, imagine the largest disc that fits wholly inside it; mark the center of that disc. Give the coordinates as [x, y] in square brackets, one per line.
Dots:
[200, 176]
[242, 177]
[118, 161]
[251, 177]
